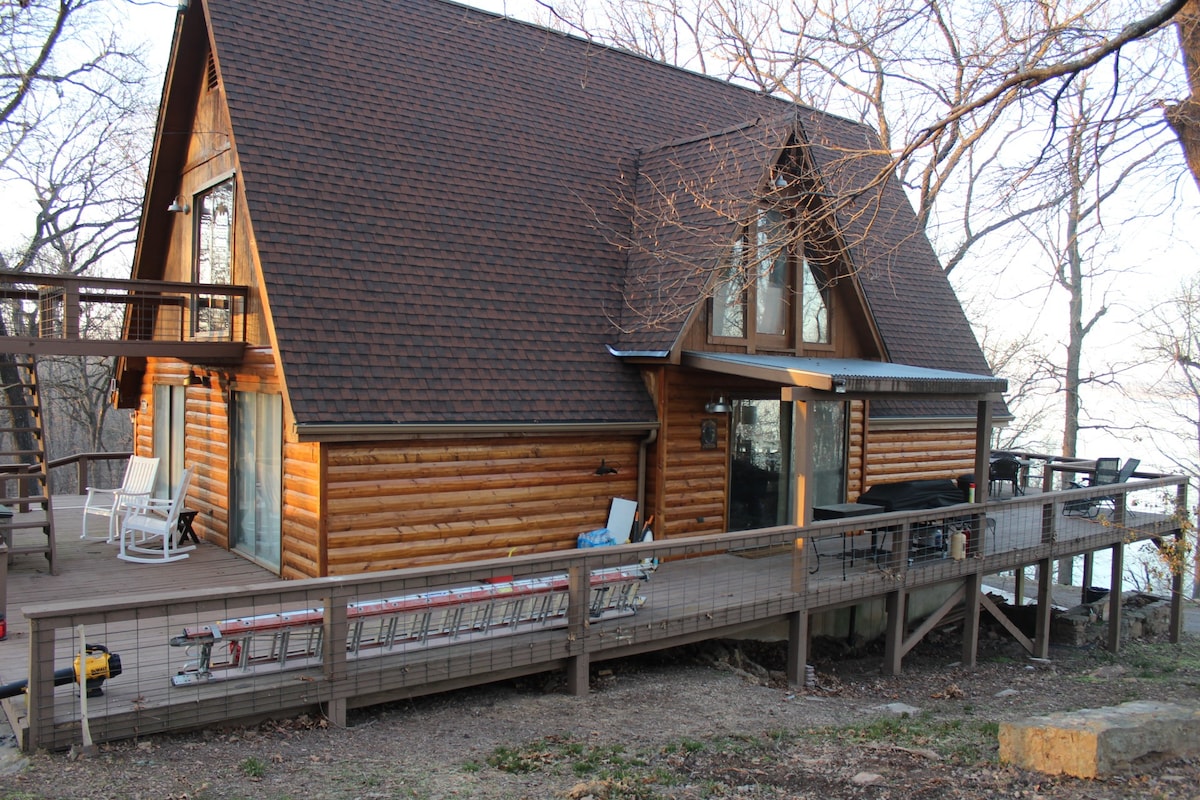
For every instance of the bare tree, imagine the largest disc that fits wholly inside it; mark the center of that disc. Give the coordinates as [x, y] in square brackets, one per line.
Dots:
[75, 129]
[1185, 115]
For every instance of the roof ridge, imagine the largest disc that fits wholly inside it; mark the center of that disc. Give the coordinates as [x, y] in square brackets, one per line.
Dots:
[758, 120]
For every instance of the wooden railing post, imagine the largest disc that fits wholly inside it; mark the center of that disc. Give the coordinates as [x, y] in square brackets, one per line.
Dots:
[39, 691]
[333, 653]
[579, 592]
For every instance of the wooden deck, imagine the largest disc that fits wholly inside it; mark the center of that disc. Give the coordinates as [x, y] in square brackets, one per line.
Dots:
[703, 588]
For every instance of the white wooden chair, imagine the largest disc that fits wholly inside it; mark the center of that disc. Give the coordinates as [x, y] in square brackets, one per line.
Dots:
[157, 519]
[135, 489]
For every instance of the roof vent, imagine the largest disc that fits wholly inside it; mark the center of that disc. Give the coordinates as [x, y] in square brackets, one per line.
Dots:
[210, 73]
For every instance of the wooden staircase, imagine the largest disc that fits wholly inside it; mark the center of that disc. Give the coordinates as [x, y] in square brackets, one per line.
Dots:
[26, 521]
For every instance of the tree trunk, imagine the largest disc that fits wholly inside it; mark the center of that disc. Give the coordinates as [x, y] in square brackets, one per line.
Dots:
[1185, 117]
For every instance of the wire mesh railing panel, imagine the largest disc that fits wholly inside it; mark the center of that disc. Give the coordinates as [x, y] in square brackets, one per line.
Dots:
[157, 662]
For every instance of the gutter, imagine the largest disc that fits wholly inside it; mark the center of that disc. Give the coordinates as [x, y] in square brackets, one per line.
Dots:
[343, 432]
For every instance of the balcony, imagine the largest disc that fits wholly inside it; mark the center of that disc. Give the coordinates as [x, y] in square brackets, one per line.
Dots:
[67, 315]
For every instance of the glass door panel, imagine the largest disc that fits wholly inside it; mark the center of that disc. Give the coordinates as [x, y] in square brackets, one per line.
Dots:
[760, 464]
[257, 476]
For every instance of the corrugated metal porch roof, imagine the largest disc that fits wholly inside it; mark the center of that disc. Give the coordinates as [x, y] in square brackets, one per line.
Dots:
[849, 375]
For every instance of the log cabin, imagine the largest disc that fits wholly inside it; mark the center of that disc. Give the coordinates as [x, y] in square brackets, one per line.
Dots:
[499, 275]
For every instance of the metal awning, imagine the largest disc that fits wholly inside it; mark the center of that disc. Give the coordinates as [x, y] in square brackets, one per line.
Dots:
[850, 375]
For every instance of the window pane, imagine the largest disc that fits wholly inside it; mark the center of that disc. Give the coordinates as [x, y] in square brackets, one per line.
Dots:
[814, 308]
[828, 451]
[729, 297]
[772, 274]
[760, 464]
[214, 239]
[214, 255]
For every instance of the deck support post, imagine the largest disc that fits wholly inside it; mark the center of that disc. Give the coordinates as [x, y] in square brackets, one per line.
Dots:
[893, 653]
[1019, 586]
[1041, 635]
[797, 652]
[335, 711]
[1114, 598]
[973, 587]
[1086, 583]
[578, 663]
[1175, 633]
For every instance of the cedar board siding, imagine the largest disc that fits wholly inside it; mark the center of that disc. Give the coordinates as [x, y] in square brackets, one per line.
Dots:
[420, 502]
[900, 452]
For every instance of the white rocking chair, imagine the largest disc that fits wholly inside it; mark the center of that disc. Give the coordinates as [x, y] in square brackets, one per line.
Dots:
[134, 490]
[157, 519]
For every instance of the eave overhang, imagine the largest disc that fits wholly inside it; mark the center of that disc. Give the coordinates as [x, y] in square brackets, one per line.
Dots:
[355, 432]
[848, 376]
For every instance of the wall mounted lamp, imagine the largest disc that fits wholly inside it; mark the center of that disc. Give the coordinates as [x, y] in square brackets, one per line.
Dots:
[719, 406]
[604, 469]
[196, 380]
[179, 208]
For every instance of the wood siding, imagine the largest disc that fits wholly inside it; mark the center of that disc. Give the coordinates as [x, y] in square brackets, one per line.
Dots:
[421, 502]
[899, 452]
[693, 481]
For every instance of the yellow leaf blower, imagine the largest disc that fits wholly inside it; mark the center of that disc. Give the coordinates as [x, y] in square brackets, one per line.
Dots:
[99, 665]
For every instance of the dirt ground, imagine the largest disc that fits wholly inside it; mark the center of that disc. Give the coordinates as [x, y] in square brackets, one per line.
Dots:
[713, 721]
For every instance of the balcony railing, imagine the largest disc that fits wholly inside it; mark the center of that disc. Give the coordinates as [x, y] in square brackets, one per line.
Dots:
[68, 315]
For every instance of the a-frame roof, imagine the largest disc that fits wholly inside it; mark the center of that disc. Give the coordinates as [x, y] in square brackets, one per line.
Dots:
[440, 197]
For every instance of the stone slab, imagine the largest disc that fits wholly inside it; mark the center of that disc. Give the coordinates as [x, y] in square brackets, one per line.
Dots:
[1093, 742]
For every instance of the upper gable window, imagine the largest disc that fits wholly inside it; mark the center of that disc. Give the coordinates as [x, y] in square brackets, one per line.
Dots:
[767, 274]
[214, 254]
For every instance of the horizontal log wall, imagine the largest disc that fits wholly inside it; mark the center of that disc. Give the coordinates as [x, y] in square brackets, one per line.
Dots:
[694, 481]
[421, 502]
[896, 452]
[856, 456]
[303, 551]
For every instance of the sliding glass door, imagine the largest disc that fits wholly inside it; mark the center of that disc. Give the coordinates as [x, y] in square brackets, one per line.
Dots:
[257, 476]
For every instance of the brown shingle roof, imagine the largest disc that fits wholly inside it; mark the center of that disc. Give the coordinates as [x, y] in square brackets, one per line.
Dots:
[436, 197]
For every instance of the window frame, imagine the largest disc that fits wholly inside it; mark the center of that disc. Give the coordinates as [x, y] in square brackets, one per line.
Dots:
[213, 305]
[744, 257]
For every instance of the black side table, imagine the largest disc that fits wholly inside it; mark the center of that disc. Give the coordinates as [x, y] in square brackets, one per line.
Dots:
[184, 526]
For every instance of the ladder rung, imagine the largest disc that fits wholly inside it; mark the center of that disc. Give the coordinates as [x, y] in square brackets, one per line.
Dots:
[32, 500]
[26, 549]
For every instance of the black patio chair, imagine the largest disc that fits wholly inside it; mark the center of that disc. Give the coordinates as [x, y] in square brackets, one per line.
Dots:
[1109, 471]
[1005, 469]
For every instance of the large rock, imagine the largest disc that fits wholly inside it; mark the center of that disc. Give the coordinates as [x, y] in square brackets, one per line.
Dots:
[1099, 741]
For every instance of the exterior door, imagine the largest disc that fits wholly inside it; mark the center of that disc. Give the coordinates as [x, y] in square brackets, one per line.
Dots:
[168, 436]
[760, 471]
[255, 507]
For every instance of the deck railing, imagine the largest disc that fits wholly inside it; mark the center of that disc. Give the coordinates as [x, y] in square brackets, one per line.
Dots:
[227, 654]
[90, 316]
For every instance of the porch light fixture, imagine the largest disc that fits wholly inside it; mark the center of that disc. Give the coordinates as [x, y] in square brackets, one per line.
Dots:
[179, 208]
[195, 380]
[718, 407]
[604, 469]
